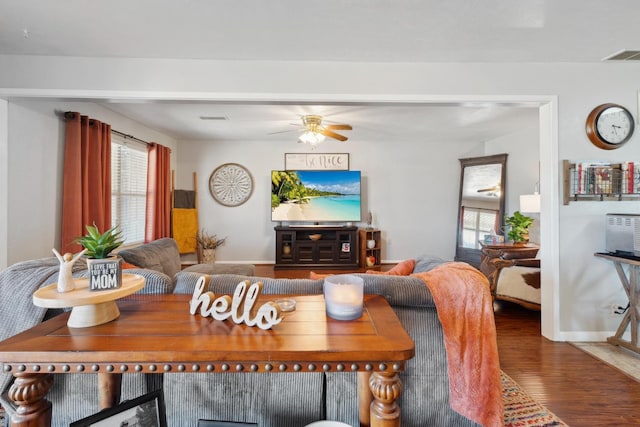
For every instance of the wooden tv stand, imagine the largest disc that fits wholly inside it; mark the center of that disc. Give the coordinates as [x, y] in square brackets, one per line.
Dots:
[336, 248]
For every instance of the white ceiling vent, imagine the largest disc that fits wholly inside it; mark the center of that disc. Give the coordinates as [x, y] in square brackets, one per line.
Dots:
[624, 55]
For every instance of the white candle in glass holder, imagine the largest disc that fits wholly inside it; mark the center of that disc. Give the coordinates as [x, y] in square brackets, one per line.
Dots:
[343, 295]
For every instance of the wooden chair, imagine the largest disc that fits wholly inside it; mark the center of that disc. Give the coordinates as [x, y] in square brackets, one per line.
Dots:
[518, 281]
[514, 274]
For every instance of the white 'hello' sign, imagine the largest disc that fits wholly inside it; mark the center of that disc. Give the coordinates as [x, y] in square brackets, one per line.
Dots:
[239, 308]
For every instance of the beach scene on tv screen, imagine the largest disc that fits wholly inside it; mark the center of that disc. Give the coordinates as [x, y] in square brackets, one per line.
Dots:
[315, 196]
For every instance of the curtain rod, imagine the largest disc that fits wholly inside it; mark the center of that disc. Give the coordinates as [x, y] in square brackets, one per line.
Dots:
[124, 135]
[71, 115]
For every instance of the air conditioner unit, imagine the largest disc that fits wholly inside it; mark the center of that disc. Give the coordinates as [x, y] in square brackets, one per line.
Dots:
[623, 234]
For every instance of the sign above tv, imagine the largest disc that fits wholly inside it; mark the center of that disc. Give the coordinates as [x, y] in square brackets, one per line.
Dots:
[316, 161]
[315, 196]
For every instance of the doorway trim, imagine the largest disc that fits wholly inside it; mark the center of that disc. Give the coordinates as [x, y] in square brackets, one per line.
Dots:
[548, 148]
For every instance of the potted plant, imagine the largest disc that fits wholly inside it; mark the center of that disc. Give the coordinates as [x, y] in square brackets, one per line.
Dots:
[208, 244]
[518, 227]
[105, 270]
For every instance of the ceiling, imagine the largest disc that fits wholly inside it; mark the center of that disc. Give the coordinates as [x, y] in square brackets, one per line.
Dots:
[327, 30]
[432, 123]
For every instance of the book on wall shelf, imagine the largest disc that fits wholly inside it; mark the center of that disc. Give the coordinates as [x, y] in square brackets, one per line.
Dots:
[592, 180]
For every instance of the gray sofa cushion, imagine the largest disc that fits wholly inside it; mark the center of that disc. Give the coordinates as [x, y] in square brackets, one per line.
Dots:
[425, 263]
[242, 269]
[268, 399]
[160, 255]
[226, 284]
[399, 291]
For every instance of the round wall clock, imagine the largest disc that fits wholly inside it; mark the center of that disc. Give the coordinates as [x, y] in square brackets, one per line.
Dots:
[231, 184]
[609, 126]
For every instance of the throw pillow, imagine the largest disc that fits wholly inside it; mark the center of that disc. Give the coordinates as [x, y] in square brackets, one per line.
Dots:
[403, 268]
[127, 265]
[316, 276]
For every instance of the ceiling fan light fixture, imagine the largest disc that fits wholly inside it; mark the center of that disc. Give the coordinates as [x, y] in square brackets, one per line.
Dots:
[310, 137]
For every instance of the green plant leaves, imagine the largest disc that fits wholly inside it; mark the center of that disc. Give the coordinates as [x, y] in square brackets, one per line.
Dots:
[99, 245]
[518, 226]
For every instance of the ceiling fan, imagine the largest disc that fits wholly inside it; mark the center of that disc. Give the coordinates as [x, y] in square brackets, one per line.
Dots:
[313, 123]
[494, 188]
[314, 131]
[492, 191]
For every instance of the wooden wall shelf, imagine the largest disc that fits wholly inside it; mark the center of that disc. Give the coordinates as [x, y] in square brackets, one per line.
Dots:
[606, 182]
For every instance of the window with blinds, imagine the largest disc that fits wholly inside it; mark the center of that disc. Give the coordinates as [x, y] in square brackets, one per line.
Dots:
[128, 188]
[477, 223]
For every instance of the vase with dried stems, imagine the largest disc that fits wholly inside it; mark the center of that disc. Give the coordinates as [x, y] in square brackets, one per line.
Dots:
[207, 244]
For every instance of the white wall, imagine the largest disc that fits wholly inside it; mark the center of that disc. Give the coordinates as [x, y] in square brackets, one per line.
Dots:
[34, 168]
[522, 169]
[581, 285]
[412, 193]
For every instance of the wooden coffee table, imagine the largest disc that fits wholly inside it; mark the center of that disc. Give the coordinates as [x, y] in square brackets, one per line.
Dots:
[376, 346]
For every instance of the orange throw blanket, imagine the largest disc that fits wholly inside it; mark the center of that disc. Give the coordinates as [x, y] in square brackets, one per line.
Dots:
[465, 309]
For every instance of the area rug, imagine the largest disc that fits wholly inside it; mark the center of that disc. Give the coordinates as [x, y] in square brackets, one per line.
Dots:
[615, 356]
[521, 410]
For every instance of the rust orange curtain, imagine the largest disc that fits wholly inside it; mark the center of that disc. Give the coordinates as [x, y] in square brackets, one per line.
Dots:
[158, 213]
[86, 187]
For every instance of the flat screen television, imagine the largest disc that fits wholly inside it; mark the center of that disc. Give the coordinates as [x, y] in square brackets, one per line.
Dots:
[315, 196]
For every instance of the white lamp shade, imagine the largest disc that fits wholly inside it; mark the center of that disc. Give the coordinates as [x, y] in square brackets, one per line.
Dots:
[530, 203]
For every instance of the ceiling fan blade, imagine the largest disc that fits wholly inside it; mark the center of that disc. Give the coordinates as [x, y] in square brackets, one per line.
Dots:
[338, 127]
[281, 131]
[484, 190]
[334, 135]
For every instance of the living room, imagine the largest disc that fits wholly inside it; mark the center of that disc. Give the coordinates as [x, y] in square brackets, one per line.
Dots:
[562, 91]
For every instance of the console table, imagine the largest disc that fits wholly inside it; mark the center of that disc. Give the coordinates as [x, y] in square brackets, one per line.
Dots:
[376, 346]
[630, 280]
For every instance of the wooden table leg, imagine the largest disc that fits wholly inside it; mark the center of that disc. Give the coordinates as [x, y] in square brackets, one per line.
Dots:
[27, 392]
[386, 388]
[631, 318]
[364, 399]
[109, 389]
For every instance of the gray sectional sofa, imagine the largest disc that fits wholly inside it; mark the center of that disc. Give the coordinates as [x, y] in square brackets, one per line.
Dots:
[268, 399]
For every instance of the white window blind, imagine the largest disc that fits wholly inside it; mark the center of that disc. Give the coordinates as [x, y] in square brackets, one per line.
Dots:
[477, 223]
[128, 188]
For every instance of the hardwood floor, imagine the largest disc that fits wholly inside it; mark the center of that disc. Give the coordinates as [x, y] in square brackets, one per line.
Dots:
[578, 388]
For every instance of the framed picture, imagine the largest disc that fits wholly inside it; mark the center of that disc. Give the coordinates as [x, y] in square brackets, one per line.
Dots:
[146, 410]
[316, 161]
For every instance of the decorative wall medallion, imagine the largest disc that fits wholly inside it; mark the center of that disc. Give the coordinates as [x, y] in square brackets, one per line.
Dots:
[231, 184]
